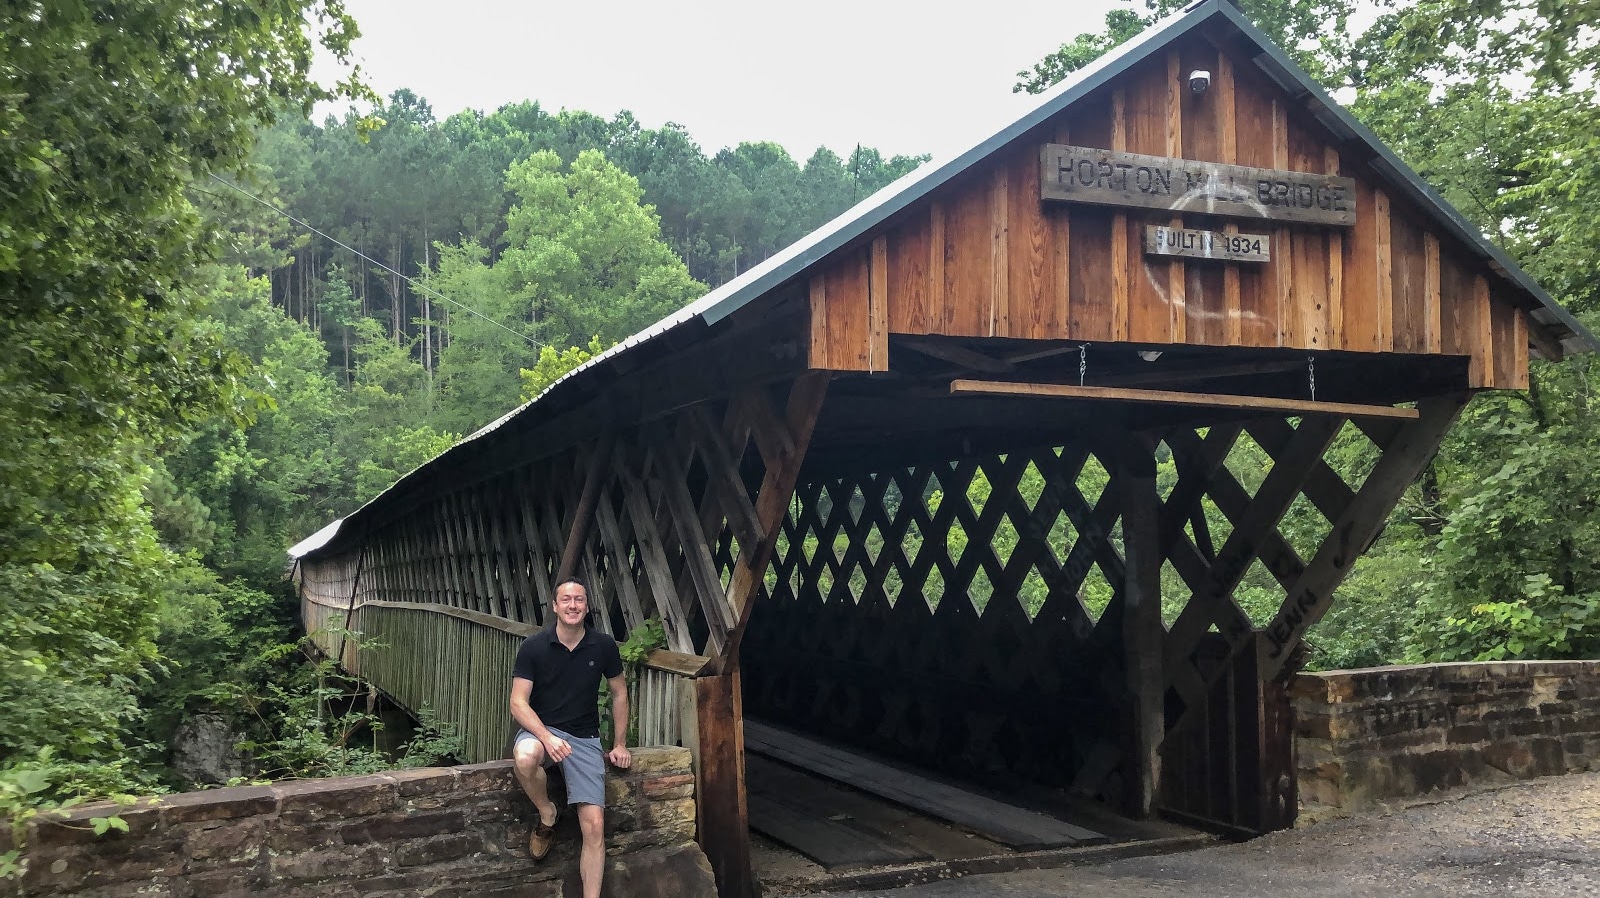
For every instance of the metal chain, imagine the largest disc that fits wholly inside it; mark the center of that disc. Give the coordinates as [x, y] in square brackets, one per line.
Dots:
[1083, 362]
[1311, 375]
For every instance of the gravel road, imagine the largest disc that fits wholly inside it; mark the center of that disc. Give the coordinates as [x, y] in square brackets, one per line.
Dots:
[1533, 839]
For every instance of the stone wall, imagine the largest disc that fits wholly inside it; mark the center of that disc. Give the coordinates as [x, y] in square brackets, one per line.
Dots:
[1387, 733]
[440, 832]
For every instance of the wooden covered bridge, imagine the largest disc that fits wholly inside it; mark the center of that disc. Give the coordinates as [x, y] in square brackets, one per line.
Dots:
[953, 481]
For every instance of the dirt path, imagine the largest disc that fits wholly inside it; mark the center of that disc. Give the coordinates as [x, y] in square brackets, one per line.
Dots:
[1534, 839]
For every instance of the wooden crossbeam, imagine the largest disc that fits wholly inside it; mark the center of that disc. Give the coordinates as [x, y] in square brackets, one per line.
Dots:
[1399, 466]
[956, 354]
[1215, 603]
[772, 498]
[653, 558]
[583, 515]
[1168, 397]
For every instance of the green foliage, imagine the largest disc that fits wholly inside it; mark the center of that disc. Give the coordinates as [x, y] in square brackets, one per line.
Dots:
[641, 641]
[553, 365]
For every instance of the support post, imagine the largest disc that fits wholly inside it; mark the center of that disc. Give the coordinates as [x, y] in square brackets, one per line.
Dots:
[721, 809]
[1142, 632]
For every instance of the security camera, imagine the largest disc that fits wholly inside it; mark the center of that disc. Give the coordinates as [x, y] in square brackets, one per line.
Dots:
[1199, 80]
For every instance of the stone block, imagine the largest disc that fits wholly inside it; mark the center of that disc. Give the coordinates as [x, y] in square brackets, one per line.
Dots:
[225, 844]
[677, 871]
[339, 798]
[439, 848]
[1470, 734]
[284, 836]
[218, 804]
[80, 867]
[233, 883]
[492, 776]
[619, 791]
[676, 816]
[658, 760]
[395, 827]
[319, 864]
[75, 826]
[423, 781]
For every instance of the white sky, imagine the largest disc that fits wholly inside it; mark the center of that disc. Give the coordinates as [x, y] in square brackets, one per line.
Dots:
[904, 77]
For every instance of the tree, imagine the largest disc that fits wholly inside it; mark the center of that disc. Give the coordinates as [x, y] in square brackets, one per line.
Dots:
[107, 113]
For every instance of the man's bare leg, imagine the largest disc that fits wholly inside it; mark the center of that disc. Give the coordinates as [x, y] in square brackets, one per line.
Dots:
[592, 862]
[529, 757]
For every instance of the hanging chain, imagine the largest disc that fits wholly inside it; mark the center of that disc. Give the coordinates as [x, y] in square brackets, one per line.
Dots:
[1083, 362]
[1311, 375]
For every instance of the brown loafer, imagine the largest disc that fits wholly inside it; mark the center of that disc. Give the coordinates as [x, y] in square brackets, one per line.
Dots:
[542, 836]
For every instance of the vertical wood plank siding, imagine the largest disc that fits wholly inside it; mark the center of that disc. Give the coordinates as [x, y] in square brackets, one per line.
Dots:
[983, 256]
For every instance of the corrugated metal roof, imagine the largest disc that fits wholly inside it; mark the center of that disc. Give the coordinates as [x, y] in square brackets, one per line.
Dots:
[878, 208]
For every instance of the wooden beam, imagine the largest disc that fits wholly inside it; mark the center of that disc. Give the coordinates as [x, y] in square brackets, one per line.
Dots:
[722, 812]
[1167, 397]
[1360, 524]
[583, 516]
[1142, 630]
[772, 502]
[956, 354]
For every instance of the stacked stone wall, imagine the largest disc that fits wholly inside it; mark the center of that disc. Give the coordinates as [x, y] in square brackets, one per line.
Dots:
[437, 832]
[1392, 733]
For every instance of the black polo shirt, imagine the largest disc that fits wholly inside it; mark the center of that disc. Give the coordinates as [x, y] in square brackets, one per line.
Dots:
[566, 685]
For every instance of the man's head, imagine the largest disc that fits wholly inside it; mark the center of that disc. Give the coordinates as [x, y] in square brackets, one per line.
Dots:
[572, 602]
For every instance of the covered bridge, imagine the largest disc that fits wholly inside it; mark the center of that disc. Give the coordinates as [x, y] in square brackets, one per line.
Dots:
[924, 483]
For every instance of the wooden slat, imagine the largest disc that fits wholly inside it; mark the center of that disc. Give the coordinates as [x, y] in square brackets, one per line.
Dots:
[878, 306]
[698, 557]
[1432, 337]
[1030, 275]
[937, 296]
[653, 558]
[583, 516]
[1119, 230]
[1013, 826]
[1385, 278]
[908, 277]
[1167, 397]
[1481, 373]
[1228, 136]
[1396, 469]
[633, 611]
[817, 357]
[1146, 128]
[999, 254]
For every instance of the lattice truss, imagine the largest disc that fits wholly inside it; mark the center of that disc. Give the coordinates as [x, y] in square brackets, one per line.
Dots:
[673, 520]
[1001, 579]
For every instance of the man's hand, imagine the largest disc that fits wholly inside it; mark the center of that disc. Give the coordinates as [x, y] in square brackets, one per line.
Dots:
[620, 757]
[556, 748]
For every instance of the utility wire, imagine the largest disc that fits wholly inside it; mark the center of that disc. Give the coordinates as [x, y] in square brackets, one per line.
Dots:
[416, 284]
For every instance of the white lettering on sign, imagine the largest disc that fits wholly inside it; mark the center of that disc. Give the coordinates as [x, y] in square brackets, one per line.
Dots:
[1195, 243]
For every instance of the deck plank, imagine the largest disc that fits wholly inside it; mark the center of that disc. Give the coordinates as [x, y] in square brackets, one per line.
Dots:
[1011, 826]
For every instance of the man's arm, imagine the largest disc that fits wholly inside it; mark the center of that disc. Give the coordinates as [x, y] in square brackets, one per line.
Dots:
[619, 754]
[522, 712]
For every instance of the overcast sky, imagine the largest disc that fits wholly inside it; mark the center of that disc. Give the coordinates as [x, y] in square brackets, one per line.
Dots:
[904, 77]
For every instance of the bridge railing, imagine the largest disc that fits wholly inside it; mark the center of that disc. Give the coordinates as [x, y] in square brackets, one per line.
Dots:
[457, 663]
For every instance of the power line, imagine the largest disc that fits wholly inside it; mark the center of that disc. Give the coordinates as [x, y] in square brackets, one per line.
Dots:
[416, 284]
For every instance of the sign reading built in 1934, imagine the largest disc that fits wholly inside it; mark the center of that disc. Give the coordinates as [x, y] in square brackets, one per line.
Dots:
[1194, 243]
[1109, 178]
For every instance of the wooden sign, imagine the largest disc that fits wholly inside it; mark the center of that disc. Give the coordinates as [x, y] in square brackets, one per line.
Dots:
[1195, 243]
[1108, 178]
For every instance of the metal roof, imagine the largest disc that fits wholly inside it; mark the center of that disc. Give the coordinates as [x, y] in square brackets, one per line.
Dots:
[894, 198]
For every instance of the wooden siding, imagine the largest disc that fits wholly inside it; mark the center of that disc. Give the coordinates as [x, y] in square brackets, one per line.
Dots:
[985, 257]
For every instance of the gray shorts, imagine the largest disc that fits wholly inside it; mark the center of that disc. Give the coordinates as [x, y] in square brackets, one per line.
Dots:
[584, 769]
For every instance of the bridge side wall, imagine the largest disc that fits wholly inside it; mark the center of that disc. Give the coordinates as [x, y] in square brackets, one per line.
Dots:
[437, 831]
[1392, 733]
